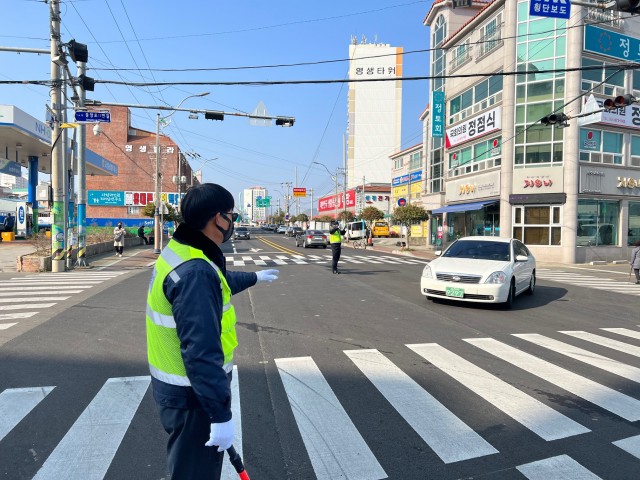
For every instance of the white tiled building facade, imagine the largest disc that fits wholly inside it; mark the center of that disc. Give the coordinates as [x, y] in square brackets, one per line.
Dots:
[571, 194]
[250, 210]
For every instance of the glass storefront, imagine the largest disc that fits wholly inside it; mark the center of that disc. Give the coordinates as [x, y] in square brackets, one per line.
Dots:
[598, 222]
[483, 222]
[634, 223]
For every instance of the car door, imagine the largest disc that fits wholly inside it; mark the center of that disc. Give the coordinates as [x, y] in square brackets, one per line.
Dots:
[522, 270]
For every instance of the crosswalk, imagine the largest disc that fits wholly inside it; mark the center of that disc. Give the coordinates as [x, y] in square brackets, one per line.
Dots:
[590, 281]
[333, 442]
[271, 260]
[24, 297]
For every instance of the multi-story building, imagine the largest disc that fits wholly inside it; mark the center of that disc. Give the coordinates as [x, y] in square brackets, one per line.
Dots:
[122, 197]
[357, 199]
[12, 182]
[375, 111]
[251, 199]
[407, 185]
[571, 194]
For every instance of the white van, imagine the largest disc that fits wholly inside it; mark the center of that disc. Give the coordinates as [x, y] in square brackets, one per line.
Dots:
[355, 230]
[592, 234]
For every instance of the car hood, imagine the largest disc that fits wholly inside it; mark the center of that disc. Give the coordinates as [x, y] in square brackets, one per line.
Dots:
[468, 266]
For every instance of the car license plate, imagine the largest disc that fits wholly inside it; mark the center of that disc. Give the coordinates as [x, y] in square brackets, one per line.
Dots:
[454, 292]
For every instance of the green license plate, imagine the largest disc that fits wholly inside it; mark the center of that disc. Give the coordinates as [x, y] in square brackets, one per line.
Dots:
[454, 292]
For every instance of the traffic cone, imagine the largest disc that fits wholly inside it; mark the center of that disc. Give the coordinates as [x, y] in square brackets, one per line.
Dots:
[370, 241]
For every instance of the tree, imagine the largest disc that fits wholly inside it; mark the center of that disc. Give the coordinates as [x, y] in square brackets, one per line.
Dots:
[323, 218]
[302, 218]
[278, 217]
[370, 214]
[149, 210]
[346, 216]
[409, 214]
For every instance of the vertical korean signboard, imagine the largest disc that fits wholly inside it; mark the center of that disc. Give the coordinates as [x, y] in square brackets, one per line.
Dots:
[437, 115]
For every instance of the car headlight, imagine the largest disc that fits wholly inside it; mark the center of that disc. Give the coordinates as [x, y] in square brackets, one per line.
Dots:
[497, 277]
[426, 273]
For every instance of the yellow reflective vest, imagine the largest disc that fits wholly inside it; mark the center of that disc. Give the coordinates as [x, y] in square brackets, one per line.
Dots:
[335, 237]
[163, 344]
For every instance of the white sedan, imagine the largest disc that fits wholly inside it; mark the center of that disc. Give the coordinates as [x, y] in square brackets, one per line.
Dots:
[481, 269]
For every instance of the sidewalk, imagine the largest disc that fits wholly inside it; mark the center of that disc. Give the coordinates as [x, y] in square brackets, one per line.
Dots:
[10, 251]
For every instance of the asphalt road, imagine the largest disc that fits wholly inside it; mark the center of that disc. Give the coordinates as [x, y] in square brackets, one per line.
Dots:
[351, 376]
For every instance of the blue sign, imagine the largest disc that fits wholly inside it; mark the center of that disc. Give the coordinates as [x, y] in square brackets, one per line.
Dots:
[106, 198]
[437, 115]
[550, 8]
[402, 202]
[404, 179]
[21, 214]
[612, 44]
[10, 168]
[85, 116]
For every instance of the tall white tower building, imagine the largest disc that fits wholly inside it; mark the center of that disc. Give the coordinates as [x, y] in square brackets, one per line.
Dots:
[250, 200]
[375, 111]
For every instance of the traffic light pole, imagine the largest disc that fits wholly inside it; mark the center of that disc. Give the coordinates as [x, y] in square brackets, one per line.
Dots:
[157, 228]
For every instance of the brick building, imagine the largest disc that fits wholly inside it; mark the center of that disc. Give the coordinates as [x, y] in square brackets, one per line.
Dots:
[121, 198]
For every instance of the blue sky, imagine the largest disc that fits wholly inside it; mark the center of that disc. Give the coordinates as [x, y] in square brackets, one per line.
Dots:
[194, 34]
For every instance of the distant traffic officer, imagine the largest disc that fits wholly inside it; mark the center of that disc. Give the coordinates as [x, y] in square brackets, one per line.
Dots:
[335, 239]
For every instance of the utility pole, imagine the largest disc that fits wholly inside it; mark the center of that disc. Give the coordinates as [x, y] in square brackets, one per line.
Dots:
[297, 198]
[311, 212]
[362, 203]
[157, 228]
[335, 203]
[82, 180]
[288, 197]
[57, 160]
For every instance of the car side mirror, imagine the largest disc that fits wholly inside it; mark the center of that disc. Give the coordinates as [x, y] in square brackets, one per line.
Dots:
[438, 252]
[521, 258]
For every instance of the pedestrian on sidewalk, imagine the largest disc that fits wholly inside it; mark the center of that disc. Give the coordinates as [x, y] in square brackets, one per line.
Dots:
[8, 224]
[191, 334]
[335, 239]
[118, 239]
[141, 235]
[635, 261]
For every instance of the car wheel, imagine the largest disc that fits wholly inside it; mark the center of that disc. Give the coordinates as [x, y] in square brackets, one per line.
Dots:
[305, 245]
[532, 284]
[512, 294]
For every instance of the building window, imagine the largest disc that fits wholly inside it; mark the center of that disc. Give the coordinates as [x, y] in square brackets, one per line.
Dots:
[480, 156]
[598, 222]
[600, 146]
[479, 97]
[398, 163]
[133, 210]
[490, 36]
[602, 80]
[538, 225]
[438, 58]
[415, 161]
[635, 151]
[436, 170]
[633, 235]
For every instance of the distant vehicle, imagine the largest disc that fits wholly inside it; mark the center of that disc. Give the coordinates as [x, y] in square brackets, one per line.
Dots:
[241, 232]
[356, 229]
[595, 234]
[379, 229]
[293, 231]
[481, 269]
[312, 238]
[281, 229]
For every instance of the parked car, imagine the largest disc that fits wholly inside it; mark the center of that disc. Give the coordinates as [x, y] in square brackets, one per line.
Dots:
[241, 232]
[481, 269]
[293, 231]
[281, 229]
[312, 238]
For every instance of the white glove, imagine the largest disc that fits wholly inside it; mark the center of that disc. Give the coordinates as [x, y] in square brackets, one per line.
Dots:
[221, 435]
[267, 275]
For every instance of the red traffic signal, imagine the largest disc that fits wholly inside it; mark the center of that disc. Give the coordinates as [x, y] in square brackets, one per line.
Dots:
[554, 118]
[619, 102]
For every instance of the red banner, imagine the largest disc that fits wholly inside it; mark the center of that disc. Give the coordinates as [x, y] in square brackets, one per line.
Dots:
[333, 202]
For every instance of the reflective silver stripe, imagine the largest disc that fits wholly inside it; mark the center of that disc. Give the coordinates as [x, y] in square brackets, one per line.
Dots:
[226, 307]
[174, 276]
[160, 319]
[169, 378]
[171, 257]
[228, 367]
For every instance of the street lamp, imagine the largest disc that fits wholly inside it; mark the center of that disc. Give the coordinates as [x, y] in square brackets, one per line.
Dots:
[157, 228]
[335, 179]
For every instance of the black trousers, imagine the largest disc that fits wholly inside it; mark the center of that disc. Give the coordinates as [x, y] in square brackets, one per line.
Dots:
[336, 248]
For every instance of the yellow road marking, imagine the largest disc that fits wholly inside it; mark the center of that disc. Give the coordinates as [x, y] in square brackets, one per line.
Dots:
[278, 247]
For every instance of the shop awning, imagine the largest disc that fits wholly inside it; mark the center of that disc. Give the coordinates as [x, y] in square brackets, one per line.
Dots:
[463, 207]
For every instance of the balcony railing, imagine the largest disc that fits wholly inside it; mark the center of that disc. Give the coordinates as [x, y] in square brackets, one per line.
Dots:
[489, 42]
[460, 59]
[606, 17]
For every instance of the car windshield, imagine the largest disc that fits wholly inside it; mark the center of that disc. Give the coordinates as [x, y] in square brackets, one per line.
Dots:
[479, 249]
[314, 232]
[242, 229]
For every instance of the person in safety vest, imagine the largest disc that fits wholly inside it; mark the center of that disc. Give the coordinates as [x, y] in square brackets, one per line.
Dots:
[335, 239]
[191, 334]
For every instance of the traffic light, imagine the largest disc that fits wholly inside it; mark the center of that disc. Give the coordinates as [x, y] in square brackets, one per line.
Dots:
[86, 83]
[629, 6]
[78, 51]
[214, 116]
[555, 118]
[285, 121]
[620, 101]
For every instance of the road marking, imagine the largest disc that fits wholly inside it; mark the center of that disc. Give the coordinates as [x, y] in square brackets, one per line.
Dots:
[334, 445]
[16, 403]
[49, 283]
[562, 467]
[47, 289]
[599, 361]
[605, 397]
[605, 342]
[24, 307]
[14, 316]
[228, 472]
[366, 258]
[630, 445]
[88, 448]
[449, 437]
[38, 292]
[348, 258]
[533, 414]
[295, 259]
[29, 299]
[623, 331]
[4, 326]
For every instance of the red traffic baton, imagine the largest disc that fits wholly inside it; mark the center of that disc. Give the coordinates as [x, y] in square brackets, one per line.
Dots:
[236, 461]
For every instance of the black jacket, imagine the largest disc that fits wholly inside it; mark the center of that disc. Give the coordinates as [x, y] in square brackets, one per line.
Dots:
[196, 300]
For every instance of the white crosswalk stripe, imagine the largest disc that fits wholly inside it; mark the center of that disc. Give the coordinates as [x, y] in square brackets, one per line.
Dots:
[29, 292]
[589, 281]
[263, 260]
[336, 446]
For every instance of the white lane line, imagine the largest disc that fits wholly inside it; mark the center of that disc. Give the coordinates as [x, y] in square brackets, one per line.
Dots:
[247, 258]
[228, 472]
[16, 315]
[605, 397]
[27, 306]
[541, 419]
[398, 259]
[265, 257]
[260, 262]
[278, 261]
[39, 292]
[605, 342]
[366, 258]
[48, 282]
[449, 437]
[16, 403]
[29, 299]
[623, 331]
[386, 260]
[88, 448]
[51, 289]
[630, 445]
[4, 326]
[607, 364]
[293, 259]
[97, 275]
[348, 258]
[334, 445]
[562, 467]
